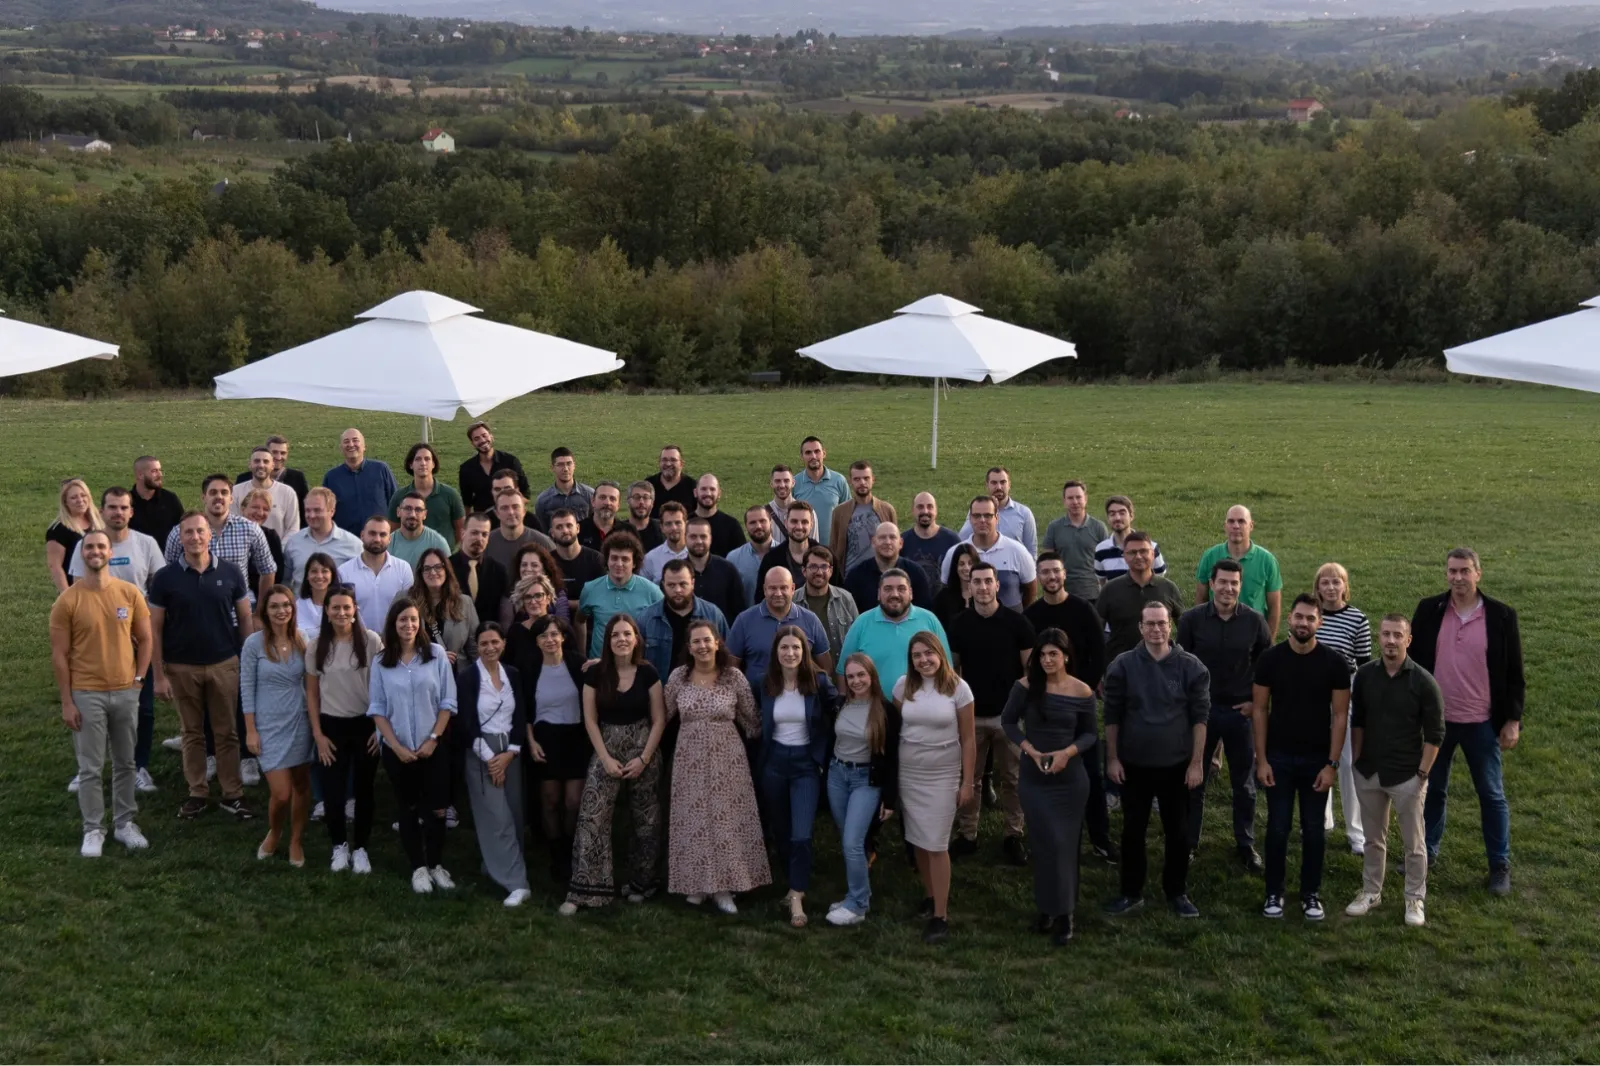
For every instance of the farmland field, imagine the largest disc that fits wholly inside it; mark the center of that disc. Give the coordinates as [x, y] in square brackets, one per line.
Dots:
[195, 951]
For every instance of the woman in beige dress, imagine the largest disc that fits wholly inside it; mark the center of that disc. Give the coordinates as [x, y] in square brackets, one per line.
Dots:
[714, 844]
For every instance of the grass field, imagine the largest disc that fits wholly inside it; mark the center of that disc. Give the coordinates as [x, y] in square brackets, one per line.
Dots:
[195, 951]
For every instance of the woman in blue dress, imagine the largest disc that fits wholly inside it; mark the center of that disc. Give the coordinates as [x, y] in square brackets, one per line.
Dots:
[272, 693]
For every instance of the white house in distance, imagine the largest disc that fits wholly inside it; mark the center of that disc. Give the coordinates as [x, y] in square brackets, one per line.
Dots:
[74, 142]
[1302, 110]
[437, 140]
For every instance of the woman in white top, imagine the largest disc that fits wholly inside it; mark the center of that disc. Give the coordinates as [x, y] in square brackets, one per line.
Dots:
[490, 725]
[320, 575]
[937, 753]
[338, 683]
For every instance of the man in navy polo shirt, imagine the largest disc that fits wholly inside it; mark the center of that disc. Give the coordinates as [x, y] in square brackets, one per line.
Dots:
[752, 633]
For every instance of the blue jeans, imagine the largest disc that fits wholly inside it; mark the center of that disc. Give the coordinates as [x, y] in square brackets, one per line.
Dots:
[792, 784]
[854, 804]
[1480, 743]
[147, 722]
[1293, 776]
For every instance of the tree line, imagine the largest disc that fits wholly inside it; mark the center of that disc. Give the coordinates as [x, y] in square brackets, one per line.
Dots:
[706, 247]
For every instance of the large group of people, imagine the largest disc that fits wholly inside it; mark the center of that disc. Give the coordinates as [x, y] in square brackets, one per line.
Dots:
[546, 659]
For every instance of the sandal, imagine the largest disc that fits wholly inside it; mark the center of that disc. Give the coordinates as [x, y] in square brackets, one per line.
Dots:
[797, 911]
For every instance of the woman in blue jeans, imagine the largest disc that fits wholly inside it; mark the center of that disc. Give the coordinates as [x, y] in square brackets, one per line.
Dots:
[797, 702]
[861, 779]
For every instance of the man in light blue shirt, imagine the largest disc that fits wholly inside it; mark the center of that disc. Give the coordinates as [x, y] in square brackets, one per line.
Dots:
[319, 534]
[751, 636]
[747, 557]
[884, 633]
[822, 488]
[620, 591]
[362, 486]
[1016, 519]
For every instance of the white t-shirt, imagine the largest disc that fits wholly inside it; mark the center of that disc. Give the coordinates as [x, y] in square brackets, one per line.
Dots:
[135, 559]
[1013, 565]
[789, 720]
[929, 716]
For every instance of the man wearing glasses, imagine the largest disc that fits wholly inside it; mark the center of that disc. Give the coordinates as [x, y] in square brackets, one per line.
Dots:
[1013, 563]
[1157, 700]
[1123, 600]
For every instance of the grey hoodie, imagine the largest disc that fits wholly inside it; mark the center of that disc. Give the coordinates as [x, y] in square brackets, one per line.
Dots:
[1156, 705]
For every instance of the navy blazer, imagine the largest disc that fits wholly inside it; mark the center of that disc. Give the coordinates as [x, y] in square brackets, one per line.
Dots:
[821, 707]
[465, 725]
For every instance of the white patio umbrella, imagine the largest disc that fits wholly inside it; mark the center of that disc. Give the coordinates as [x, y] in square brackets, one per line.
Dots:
[418, 354]
[25, 347]
[938, 337]
[1561, 351]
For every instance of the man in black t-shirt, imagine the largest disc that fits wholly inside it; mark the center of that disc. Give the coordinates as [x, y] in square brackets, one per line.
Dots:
[579, 565]
[155, 509]
[1300, 706]
[991, 646]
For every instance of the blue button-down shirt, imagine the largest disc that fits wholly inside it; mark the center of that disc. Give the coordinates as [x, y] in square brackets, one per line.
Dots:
[376, 591]
[747, 560]
[751, 636]
[411, 695]
[361, 493]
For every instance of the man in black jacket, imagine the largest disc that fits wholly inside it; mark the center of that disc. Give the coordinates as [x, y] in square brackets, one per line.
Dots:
[480, 577]
[1470, 643]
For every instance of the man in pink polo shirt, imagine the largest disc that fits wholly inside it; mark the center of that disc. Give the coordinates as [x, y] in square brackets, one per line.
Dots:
[1472, 646]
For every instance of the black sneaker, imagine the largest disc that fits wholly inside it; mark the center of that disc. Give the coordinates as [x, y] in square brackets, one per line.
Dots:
[192, 808]
[926, 910]
[1500, 881]
[1273, 908]
[1250, 859]
[1044, 923]
[1124, 904]
[1312, 908]
[1062, 933]
[1014, 851]
[961, 847]
[937, 930]
[1183, 908]
[238, 808]
[1107, 854]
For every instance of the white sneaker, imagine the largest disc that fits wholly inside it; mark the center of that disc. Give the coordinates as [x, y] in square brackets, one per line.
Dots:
[567, 909]
[1414, 914]
[341, 859]
[94, 842]
[349, 810]
[359, 863]
[395, 827]
[451, 818]
[173, 743]
[318, 811]
[1363, 903]
[724, 902]
[694, 899]
[250, 771]
[72, 786]
[518, 898]
[421, 883]
[143, 782]
[441, 877]
[211, 767]
[128, 836]
[845, 916]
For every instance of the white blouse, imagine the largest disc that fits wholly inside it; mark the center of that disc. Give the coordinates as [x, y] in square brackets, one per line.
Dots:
[496, 707]
[928, 716]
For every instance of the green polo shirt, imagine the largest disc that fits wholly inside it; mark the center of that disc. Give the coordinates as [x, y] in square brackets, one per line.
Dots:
[444, 507]
[1260, 568]
[601, 599]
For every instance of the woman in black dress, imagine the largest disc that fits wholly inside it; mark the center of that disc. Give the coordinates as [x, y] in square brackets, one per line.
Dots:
[1050, 716]
[956, 596]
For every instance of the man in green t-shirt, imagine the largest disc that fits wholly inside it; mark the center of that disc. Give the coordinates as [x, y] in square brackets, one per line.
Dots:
[1263, 584]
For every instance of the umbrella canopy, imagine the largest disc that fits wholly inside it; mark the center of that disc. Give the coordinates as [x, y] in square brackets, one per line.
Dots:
[418, 354]
[1562, 351]
[940, 337]
[25, 348]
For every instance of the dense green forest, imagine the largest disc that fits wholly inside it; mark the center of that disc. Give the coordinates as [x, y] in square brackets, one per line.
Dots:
[703, 247]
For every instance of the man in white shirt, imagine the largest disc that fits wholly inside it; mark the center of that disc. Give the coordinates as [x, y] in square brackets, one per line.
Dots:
[1016, 519]
[319, 535]
[674, 543]
[1011, 561]
[284, 519]
[377, 577]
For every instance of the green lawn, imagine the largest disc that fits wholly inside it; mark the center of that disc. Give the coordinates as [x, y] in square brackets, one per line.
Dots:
[194, 951]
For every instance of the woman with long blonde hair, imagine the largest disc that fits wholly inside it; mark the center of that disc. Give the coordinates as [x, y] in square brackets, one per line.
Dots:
[76, 514]
[272, 693]
[861, 779]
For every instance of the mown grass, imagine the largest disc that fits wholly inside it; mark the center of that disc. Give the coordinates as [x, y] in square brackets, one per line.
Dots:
[197, 952]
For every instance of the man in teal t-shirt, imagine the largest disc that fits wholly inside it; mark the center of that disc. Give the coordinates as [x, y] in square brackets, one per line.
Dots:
[619, 591]
[1263, 584]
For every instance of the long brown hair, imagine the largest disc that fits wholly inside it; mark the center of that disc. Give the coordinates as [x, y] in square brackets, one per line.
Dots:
[606, 691]
[944, 682]
[877, 713]
[449, 605]
[358, 632]
[805, 675]
[297, 639]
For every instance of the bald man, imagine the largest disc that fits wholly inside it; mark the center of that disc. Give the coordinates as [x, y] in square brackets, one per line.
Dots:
[926, 543]
[363, 487]
[1263, 584]
[726, 532]
[861, 581]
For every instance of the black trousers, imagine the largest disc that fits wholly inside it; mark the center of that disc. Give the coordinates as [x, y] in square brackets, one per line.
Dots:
[1141, 785]
[1095, 820]
[351, 760]
[1233, 731]
[420, 787]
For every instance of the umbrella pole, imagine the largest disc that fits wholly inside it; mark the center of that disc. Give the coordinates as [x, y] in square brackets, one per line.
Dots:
[426, 426]
[934, 453]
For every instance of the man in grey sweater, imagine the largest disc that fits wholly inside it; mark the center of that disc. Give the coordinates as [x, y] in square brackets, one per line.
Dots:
[1157, 700]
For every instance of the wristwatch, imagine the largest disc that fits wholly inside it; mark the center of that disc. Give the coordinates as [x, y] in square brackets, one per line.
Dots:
[1333, 764]
[1422, 774]
[433, 737]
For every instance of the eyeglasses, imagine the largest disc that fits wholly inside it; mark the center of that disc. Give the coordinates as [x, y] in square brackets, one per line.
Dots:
[433, 568]
[532, 596]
